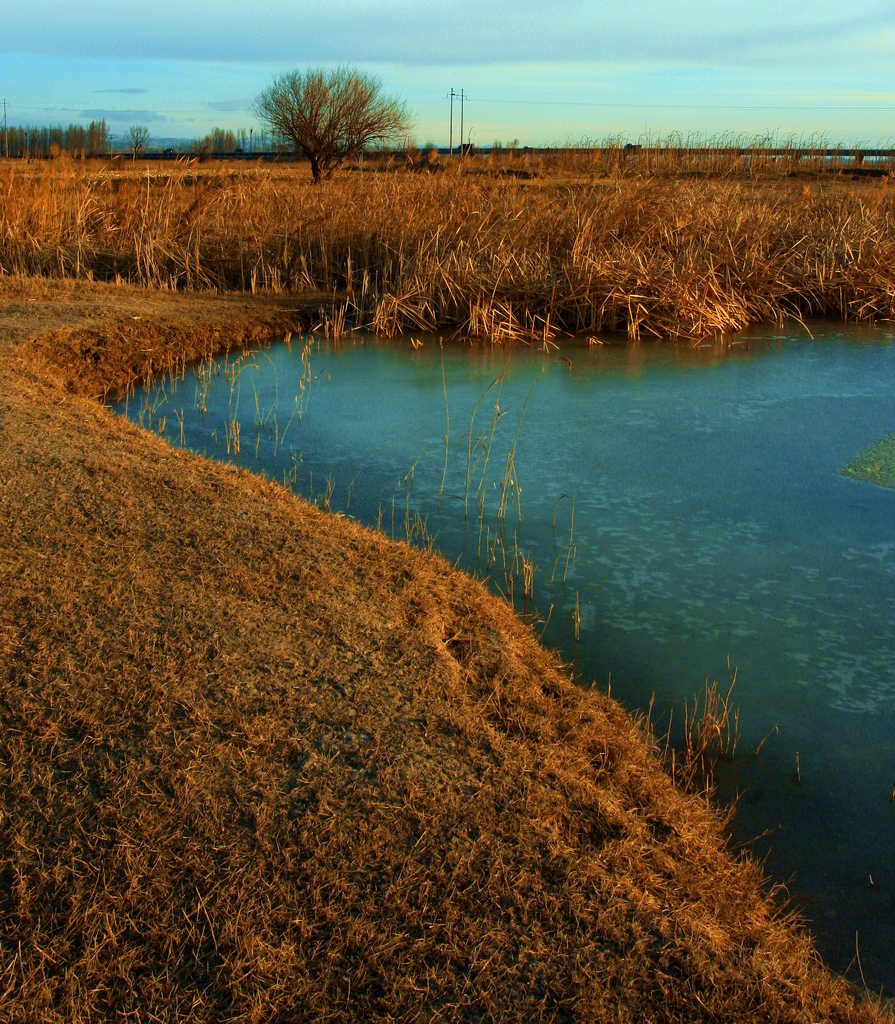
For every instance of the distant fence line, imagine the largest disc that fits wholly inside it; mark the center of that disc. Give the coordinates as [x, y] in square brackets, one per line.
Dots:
[856, 155]
[833, 154]
[787, 152]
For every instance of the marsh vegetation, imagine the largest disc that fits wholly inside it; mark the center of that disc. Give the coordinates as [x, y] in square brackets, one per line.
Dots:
[581, 250]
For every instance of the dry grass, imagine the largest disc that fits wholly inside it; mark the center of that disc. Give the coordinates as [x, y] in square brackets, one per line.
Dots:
[258, 764]
[678, 156]
[480, 253]
[103, 339]
[709, 734]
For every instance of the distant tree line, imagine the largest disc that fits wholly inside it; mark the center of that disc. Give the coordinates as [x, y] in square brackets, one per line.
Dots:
[51, 141]
[95, 140]
[244, 140]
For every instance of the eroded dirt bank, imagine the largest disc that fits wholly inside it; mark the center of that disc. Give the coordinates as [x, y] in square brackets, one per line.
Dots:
[258, 763]
[98, 338]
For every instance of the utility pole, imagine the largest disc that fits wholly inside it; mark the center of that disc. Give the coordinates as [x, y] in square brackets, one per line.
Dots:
[462, 97]
[5, 132]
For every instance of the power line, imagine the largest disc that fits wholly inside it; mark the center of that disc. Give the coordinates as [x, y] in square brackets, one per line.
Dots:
[677, 106]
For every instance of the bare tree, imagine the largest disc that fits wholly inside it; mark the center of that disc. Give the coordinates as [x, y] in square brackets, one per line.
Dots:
[137, 137]
[330, 115]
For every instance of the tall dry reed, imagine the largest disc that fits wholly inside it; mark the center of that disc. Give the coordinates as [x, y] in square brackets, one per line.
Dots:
[490, 256]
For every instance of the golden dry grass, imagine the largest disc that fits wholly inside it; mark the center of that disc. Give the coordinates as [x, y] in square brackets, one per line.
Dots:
[258, 763]
[479, 253]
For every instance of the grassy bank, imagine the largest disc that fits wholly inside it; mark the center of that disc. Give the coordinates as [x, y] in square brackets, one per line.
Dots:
[258, 763]
[99, 339]
[482, 253]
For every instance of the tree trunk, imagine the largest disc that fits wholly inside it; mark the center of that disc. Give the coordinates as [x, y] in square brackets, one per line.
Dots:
[315, 167]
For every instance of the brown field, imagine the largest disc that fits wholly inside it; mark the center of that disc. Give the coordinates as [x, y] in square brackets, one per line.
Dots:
[258, 763]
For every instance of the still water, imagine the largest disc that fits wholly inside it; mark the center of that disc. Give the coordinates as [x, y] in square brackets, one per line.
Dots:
[670, 509]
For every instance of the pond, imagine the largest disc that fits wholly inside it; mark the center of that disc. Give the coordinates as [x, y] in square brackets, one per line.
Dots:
[662, 510]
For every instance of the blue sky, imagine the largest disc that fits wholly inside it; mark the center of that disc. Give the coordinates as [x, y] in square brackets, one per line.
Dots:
[575, 71]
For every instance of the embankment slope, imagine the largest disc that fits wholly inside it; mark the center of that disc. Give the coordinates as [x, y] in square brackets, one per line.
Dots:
[258, 763]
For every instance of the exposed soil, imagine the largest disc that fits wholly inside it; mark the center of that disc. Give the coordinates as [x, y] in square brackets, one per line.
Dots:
[258, 763]
[100, 337]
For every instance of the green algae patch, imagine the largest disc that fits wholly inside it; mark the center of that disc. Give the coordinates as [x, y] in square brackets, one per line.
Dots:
[876, 465]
